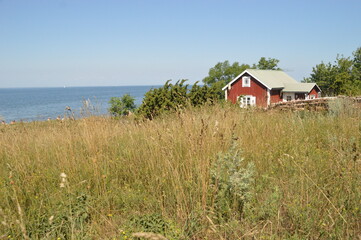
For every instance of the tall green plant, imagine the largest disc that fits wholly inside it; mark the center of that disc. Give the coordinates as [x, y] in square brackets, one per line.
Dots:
[172, 97]
[199, 95]
[231, 182]
[120, 106]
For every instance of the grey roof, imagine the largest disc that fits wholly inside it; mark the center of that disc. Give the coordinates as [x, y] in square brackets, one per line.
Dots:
[273, 79]
[298, 87]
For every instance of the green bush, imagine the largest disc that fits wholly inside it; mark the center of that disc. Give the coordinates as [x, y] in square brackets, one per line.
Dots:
[170, 98]
[121, 106]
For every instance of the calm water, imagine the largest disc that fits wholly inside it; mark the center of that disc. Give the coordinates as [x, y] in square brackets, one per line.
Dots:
[30, 104]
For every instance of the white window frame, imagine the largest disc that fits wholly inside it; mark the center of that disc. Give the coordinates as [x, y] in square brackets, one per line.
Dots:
[246, 81]
[290, 94]
[247, 101]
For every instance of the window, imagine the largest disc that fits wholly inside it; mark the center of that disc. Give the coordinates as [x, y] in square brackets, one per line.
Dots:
[247, 101]
[312, 96]
[288, 98]
[246, 81]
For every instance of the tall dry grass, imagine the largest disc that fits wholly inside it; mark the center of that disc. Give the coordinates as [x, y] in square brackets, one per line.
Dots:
[122, 173]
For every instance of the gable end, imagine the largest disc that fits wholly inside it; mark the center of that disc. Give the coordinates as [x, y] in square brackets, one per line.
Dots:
[239, 78]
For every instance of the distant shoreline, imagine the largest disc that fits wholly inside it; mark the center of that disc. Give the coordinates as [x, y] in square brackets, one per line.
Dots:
[79, 87]
[38, 104]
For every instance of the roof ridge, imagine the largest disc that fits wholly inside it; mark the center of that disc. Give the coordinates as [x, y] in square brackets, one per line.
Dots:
[279, 70]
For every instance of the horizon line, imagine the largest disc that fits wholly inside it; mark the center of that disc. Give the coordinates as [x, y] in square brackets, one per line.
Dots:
[84, 86]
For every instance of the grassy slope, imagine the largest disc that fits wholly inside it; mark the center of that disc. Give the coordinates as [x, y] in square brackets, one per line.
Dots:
[122, 174]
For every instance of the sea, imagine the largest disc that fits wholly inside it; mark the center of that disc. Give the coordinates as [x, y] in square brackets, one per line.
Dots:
[39, 104]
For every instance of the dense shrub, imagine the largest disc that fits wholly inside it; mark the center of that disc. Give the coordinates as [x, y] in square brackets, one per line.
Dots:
[170, 98]
[120, 106]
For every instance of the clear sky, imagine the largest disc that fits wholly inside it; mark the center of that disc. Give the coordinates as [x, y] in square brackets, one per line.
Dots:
[49, 43]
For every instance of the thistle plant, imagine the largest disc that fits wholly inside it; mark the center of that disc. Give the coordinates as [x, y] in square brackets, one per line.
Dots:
[231, 182]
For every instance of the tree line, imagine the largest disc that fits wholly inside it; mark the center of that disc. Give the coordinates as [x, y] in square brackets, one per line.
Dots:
[341, 77]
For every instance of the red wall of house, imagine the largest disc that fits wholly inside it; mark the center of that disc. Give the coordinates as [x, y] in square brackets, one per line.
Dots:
[275, 96]
[256, 89]
[314, 91]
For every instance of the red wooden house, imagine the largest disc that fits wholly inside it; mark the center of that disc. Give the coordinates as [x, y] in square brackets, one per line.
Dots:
[261, 88]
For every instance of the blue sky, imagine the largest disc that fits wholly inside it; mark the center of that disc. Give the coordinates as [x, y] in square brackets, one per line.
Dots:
[49, 43]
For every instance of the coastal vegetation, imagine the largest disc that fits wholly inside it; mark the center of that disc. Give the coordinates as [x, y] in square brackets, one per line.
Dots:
[121, 106]
[210, 172]
[164, 100]
[341, 77]
[173, 97]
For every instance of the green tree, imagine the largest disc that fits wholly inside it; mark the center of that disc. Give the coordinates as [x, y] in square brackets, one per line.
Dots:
[267, 64]
[224, 72]
[356, 70]
[121, 106]
[323, 75]
[343, 82]
[342, 77]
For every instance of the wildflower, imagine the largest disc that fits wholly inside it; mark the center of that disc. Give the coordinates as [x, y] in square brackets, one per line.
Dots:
[63, 175]
[216, 129]
[63, 180]
[51, 219]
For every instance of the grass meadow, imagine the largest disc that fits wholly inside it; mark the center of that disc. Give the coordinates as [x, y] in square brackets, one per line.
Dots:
[216, 172]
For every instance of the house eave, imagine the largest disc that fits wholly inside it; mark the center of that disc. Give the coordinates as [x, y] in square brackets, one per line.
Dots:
[236, 78]
[288, 91]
